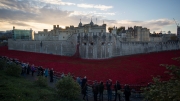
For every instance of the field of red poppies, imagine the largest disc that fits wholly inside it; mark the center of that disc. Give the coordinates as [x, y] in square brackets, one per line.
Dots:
[134, 69]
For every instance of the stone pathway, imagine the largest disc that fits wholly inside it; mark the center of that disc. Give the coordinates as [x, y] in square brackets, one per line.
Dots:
[134, 97]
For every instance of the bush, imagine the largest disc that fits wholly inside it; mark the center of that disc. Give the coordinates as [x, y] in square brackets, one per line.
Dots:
[165, 90]
[41, 81]
[68, 88]
[2, 64]
[13, 69]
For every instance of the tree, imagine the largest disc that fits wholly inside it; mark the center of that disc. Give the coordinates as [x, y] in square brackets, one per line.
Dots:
[68, 88]
[110, 29]
[165, 90]
[120, 29]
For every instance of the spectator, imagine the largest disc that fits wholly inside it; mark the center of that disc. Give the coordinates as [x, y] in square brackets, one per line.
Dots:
[117, 88]
[38, 70]
[41, 71]
[127, 92]
[51, 75]
[62, 75]
[46, 72]
[84, 80]
[84, 92]
[32, 69]
[78, 80]
[22, 69]
[109, 91]
[101, 90]
[28, 68]
[95, 90]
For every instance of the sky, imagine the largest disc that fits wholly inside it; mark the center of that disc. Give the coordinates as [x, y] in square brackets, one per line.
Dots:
[156, 15]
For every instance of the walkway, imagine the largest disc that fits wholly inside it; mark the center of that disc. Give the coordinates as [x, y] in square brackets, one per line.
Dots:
[134, 96]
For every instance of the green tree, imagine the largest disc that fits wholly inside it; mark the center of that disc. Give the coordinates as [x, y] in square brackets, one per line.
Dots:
[68, 88]
[120, 29]
[165, 90]
[110, 29]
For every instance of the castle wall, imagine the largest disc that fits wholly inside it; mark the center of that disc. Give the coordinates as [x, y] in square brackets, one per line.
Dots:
[66, 48]
[92, 46]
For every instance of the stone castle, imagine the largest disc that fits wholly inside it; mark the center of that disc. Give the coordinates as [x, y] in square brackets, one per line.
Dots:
[91, 41]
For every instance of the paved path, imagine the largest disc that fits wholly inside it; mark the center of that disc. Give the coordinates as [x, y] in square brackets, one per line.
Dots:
[134, 97]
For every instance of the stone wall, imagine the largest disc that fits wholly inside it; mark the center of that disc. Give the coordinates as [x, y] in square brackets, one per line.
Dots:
[66, 48]
[92, 46]
[118, 48]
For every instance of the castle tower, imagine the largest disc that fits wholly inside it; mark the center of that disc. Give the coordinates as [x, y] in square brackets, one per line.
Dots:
[80, 24]
[91, 23]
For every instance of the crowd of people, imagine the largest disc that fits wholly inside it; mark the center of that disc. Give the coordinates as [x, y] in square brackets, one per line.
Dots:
[27, 69]
[98, 88]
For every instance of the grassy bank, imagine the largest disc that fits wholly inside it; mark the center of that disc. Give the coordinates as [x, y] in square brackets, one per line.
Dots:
[20, 89]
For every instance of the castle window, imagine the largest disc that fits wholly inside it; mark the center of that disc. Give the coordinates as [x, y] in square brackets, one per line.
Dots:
[91, 43]
[84, 43]
[102, 43]
[63, 36]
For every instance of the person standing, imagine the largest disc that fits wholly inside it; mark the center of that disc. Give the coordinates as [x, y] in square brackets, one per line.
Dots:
[127, 92]
[95, 90]
[84, 80]
[78, 80]
[46, 72]
[28, 68]
[84, 92]
[51, 75]
[32, 69]
[109, 91]
[117, 88]
[101, 90]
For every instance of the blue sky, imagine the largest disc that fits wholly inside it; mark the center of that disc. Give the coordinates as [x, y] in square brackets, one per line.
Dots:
[156, 15]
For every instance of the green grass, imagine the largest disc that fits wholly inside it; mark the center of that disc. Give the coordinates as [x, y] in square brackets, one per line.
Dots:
[14, 87]
[20, 89]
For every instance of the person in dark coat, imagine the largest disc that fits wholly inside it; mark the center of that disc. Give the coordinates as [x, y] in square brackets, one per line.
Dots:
[51, 75]
[84, 80]
[28, 68]
[127, 92]
[95, 90]
[109, 91]
[101, 90]
[42, 71]
[32, 69]
[84, 92]
[117, 88]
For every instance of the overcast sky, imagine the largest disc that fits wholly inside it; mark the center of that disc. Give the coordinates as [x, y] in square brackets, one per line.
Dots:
[156, 15]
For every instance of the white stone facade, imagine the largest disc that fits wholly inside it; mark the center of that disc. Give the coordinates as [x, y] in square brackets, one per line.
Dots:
[59, 33]
[138, 34]
[91, 41]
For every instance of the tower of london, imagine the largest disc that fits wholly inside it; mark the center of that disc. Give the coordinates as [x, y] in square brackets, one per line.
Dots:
[92, 41]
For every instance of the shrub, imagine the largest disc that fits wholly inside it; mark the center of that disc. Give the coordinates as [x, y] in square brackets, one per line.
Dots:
[41, 81]
[165, 90]
[2, 64]
[68, 88]
[13, 69]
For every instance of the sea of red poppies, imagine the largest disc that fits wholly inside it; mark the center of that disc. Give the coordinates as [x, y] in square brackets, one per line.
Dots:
[135, 69]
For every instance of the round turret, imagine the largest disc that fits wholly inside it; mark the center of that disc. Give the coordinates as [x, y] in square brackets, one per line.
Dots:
[91, 23]
[80, 24]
